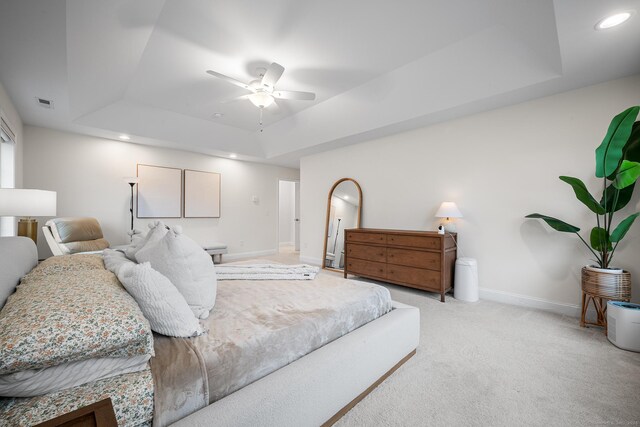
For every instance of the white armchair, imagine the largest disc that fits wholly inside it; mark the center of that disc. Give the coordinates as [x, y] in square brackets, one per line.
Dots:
[74, 235]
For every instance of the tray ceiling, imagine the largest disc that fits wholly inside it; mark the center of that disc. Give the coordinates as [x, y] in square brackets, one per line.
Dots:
[377, 67]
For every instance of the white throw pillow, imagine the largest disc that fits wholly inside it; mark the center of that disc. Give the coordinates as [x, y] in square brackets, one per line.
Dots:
[161, 303]
[114, 260]
[157, 230]
[187, 266]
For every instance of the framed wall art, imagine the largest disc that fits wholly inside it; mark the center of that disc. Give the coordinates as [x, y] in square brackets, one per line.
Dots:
[201, 194]
[159, 192]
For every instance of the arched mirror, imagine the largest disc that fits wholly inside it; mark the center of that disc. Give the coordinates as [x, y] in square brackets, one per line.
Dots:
[344, 207]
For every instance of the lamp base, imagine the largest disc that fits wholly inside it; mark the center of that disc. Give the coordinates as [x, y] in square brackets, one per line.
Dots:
[28, 227]
[449, 226]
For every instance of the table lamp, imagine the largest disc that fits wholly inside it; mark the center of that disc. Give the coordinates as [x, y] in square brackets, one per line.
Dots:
[27, 203]
[449, 210]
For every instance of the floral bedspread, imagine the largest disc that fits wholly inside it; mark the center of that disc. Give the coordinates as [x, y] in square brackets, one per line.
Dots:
[131, 396]
[70, 308]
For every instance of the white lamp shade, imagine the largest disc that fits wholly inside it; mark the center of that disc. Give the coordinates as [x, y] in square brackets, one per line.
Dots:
[132, 179]
[23, 202]
[448, 210]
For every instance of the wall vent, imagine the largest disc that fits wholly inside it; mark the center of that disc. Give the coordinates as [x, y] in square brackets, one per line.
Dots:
[44, 103]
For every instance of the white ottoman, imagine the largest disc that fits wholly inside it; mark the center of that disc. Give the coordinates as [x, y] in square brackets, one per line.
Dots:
[214, 249]
[466, 280]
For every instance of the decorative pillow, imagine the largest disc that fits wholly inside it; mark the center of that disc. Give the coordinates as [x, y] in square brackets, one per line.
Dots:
[162, 304]
[157, 230]
[65, 310]
[187, 266]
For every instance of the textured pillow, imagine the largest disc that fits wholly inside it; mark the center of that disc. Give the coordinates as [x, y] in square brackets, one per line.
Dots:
[160, 302]
[157, 230]
[187, 266]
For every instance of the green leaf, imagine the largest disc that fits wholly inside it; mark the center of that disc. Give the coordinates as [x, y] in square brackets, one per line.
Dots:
[623, 198]
[632, 149]
[628, 174]
[609, 153]
[583, 194]
[600, 239]
[622, 228]
[556, 224]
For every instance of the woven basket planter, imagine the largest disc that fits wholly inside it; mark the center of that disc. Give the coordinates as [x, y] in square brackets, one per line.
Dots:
[615, 286]
[600, 285]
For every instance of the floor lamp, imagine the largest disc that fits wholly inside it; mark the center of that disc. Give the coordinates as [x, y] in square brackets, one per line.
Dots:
[132, 181]
[27, 204]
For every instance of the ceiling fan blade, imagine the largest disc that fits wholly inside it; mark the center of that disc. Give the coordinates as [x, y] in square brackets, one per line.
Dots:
[273, 74]
[292, 94]
[230, 80]
[238, 98]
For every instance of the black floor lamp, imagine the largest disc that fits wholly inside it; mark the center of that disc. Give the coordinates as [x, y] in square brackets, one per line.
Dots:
[132, 181]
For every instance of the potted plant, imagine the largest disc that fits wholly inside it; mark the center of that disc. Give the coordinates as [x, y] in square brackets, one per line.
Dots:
[618, 165]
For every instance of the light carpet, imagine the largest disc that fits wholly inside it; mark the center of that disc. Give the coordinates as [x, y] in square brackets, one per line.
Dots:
[492, 364]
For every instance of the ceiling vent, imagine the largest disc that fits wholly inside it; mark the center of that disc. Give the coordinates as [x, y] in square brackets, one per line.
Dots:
[44, 103]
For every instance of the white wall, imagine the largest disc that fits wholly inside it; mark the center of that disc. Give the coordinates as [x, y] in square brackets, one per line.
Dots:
[287, 213]
[87, 173]
[498, 166]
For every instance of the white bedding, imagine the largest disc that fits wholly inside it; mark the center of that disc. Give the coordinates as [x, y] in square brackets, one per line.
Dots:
[35, 382]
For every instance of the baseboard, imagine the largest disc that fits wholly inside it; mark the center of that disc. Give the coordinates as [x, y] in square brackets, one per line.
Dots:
[286, 244]
[310, 260]
[532, 302]
[244, 255]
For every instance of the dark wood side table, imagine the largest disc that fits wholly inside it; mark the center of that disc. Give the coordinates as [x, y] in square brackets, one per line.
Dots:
[99, 414]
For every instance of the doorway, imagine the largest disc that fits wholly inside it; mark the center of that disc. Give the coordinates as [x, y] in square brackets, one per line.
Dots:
[288, 216]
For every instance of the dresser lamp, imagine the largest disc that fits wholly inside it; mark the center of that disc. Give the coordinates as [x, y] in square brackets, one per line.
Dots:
[449, 210]
[26, 204]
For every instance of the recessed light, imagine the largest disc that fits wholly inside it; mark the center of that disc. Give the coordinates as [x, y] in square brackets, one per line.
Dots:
[233, 155]
[346, 197]
[217, 115]
[124, 137]
[613, 20]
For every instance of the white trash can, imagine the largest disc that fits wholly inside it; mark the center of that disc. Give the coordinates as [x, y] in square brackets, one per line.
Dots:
[466, 280]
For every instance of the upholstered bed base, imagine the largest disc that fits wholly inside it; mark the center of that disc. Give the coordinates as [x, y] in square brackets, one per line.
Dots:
[314, 390]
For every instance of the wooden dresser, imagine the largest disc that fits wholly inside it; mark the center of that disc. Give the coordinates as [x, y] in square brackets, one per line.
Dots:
[418, 259]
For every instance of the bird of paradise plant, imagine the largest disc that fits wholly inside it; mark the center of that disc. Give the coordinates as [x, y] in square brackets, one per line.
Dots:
[618, 164]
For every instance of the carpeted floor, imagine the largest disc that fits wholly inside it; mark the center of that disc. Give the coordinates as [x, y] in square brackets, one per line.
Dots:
[491, 364]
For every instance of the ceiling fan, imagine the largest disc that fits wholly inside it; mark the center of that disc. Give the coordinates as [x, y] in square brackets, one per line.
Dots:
[263, 90]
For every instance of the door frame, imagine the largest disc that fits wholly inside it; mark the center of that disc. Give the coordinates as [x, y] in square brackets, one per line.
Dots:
[278, 210]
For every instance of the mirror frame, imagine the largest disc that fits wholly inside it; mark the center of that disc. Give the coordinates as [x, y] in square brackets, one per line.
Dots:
[326, 226]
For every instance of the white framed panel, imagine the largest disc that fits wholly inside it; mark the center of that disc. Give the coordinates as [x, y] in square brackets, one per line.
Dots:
[201, 194]
[159, 192]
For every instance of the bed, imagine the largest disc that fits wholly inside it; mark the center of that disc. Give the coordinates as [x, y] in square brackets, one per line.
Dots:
[277, 353]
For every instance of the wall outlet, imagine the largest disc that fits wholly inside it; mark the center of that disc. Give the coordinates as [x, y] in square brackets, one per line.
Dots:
[241, 243]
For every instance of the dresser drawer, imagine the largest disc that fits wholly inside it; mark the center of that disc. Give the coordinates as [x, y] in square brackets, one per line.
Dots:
[423, 242]
[371, 253]
[353, 236]
[425, 279]
[366, 268]
[411, 258]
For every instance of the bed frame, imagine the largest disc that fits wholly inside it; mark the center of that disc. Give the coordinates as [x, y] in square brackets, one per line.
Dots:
[317, 389]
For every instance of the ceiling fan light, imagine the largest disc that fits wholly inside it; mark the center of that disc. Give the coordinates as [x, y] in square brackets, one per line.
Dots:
[261, 99]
